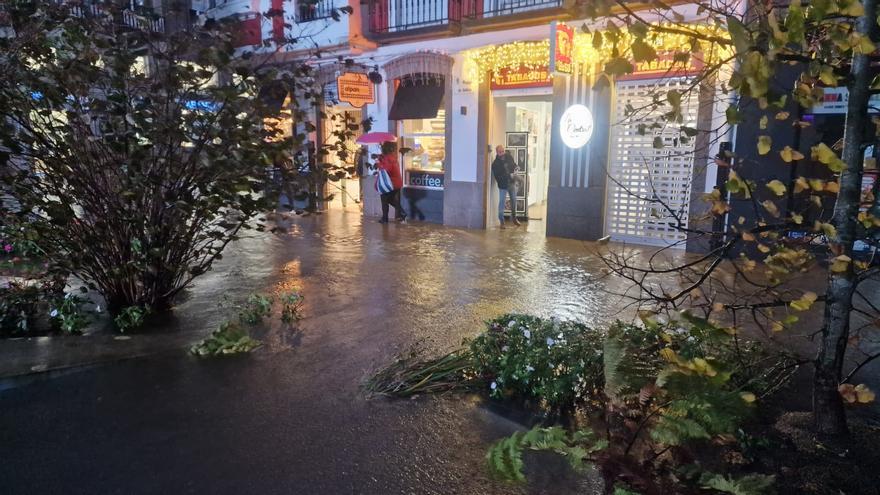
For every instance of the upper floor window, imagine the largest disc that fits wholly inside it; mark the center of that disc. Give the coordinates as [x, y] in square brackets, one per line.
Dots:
[311, 10]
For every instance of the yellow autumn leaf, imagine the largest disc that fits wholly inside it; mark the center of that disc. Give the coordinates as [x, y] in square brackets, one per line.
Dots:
[827, 156]
[864, 395]
[763, 122]
[763, 248]
[862, 44]
[798, 219]
[777, 326]
[771, 207]
[749, 265]
[856, 394]
[720, 207]
[777, 187]
[817, 185]
[816, 200]
[764, 143]
[832, 187]
[853, 9]
[840, 263]
[669, 355]
[790, 154]
[805, 302]
[748, 397]
[741, 220]
[782, 115]
[826, 228]
[748, 236]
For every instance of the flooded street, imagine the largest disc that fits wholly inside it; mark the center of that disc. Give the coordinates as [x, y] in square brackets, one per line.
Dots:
[291, 417]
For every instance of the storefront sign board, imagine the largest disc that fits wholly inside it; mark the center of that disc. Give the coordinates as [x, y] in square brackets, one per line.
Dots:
[576, 126]
[561, 47]
[835, 100]
[424, 179]
[355, 89]
[665, 65]
[521, 77]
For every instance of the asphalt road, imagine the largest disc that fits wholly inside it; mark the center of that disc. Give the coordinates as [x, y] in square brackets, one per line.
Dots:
[292, 418]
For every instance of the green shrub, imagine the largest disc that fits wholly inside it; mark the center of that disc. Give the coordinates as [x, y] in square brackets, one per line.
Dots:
[19, 305]
[69, 314]
[668, 388]
[556, 362]
[291, 307]
[255, 308]
[130, 318]
[230, 338]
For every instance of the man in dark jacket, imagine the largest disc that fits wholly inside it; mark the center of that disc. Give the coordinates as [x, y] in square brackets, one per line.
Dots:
[503, 168]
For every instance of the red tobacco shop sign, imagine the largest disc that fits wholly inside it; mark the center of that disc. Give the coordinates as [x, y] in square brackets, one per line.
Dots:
[665, 65]
[561, 47]
[521, 77]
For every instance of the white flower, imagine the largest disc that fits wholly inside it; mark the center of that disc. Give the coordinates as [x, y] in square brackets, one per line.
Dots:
[505, 349]
[493, 386]
[511, 324]
[527, 333]
[550, 342]
[559, 336]
[529, 368]
[68, 295]
[53, 313]
[98, 308]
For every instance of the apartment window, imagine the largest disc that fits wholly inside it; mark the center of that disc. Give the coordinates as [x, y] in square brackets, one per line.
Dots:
[312, 10]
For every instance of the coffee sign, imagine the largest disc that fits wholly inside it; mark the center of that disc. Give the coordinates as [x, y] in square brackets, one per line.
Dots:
[425, 179]
[576, 126]
[355, 89]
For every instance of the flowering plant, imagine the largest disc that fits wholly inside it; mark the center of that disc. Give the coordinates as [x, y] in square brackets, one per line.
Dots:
[556, 362]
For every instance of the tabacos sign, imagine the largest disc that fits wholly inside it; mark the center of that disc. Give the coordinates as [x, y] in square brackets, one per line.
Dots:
[521, 77]
[667, 64]
[355, 89]
[561, 47]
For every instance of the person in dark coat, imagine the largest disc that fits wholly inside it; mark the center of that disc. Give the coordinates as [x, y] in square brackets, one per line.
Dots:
[503, 169]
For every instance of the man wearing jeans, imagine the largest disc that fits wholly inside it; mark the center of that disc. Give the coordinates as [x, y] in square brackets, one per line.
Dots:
[503, 168]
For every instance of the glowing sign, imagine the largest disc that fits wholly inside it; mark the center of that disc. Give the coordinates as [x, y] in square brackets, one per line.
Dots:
[576, 126]
[355, 89]
[561, 46]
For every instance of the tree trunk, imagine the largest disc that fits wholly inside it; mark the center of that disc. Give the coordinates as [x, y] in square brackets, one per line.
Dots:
[828, 411]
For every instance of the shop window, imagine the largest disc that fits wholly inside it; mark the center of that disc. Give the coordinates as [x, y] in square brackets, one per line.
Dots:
[426, 139]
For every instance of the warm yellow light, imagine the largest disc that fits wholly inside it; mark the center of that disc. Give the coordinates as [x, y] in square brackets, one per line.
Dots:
[536, 54]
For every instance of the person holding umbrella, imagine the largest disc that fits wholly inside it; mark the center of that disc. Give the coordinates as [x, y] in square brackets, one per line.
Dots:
[389, 182]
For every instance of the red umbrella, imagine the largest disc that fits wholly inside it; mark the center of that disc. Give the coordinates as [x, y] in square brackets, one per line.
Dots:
[376, 138]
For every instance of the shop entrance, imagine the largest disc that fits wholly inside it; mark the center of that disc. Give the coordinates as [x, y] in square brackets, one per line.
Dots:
[522, 123]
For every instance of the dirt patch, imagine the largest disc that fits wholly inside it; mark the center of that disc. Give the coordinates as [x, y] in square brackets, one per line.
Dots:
[804, 465]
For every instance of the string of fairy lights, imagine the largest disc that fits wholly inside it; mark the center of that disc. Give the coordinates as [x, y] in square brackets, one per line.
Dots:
[534, 55]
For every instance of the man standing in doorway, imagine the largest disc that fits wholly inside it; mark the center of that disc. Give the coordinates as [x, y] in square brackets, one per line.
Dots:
[503, 168]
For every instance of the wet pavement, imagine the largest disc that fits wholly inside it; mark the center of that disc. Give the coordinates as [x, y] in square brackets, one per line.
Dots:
[291, 417]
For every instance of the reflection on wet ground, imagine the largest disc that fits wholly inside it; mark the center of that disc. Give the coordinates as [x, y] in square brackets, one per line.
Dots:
[291, 418]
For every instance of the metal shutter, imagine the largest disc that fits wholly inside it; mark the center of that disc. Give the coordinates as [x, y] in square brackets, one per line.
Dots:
[645, 171]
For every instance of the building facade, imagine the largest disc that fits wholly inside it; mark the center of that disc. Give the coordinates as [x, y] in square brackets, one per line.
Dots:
[460, 77]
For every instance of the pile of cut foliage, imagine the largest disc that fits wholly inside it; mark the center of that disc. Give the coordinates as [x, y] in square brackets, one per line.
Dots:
[651, 397]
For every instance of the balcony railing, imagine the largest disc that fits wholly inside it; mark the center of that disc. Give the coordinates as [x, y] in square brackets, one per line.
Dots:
[392, 16]
[131, 14]
[479, 9]
[307, 10]
[396, 16]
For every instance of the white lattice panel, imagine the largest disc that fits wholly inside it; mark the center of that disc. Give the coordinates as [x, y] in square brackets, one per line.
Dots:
[639, 171]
